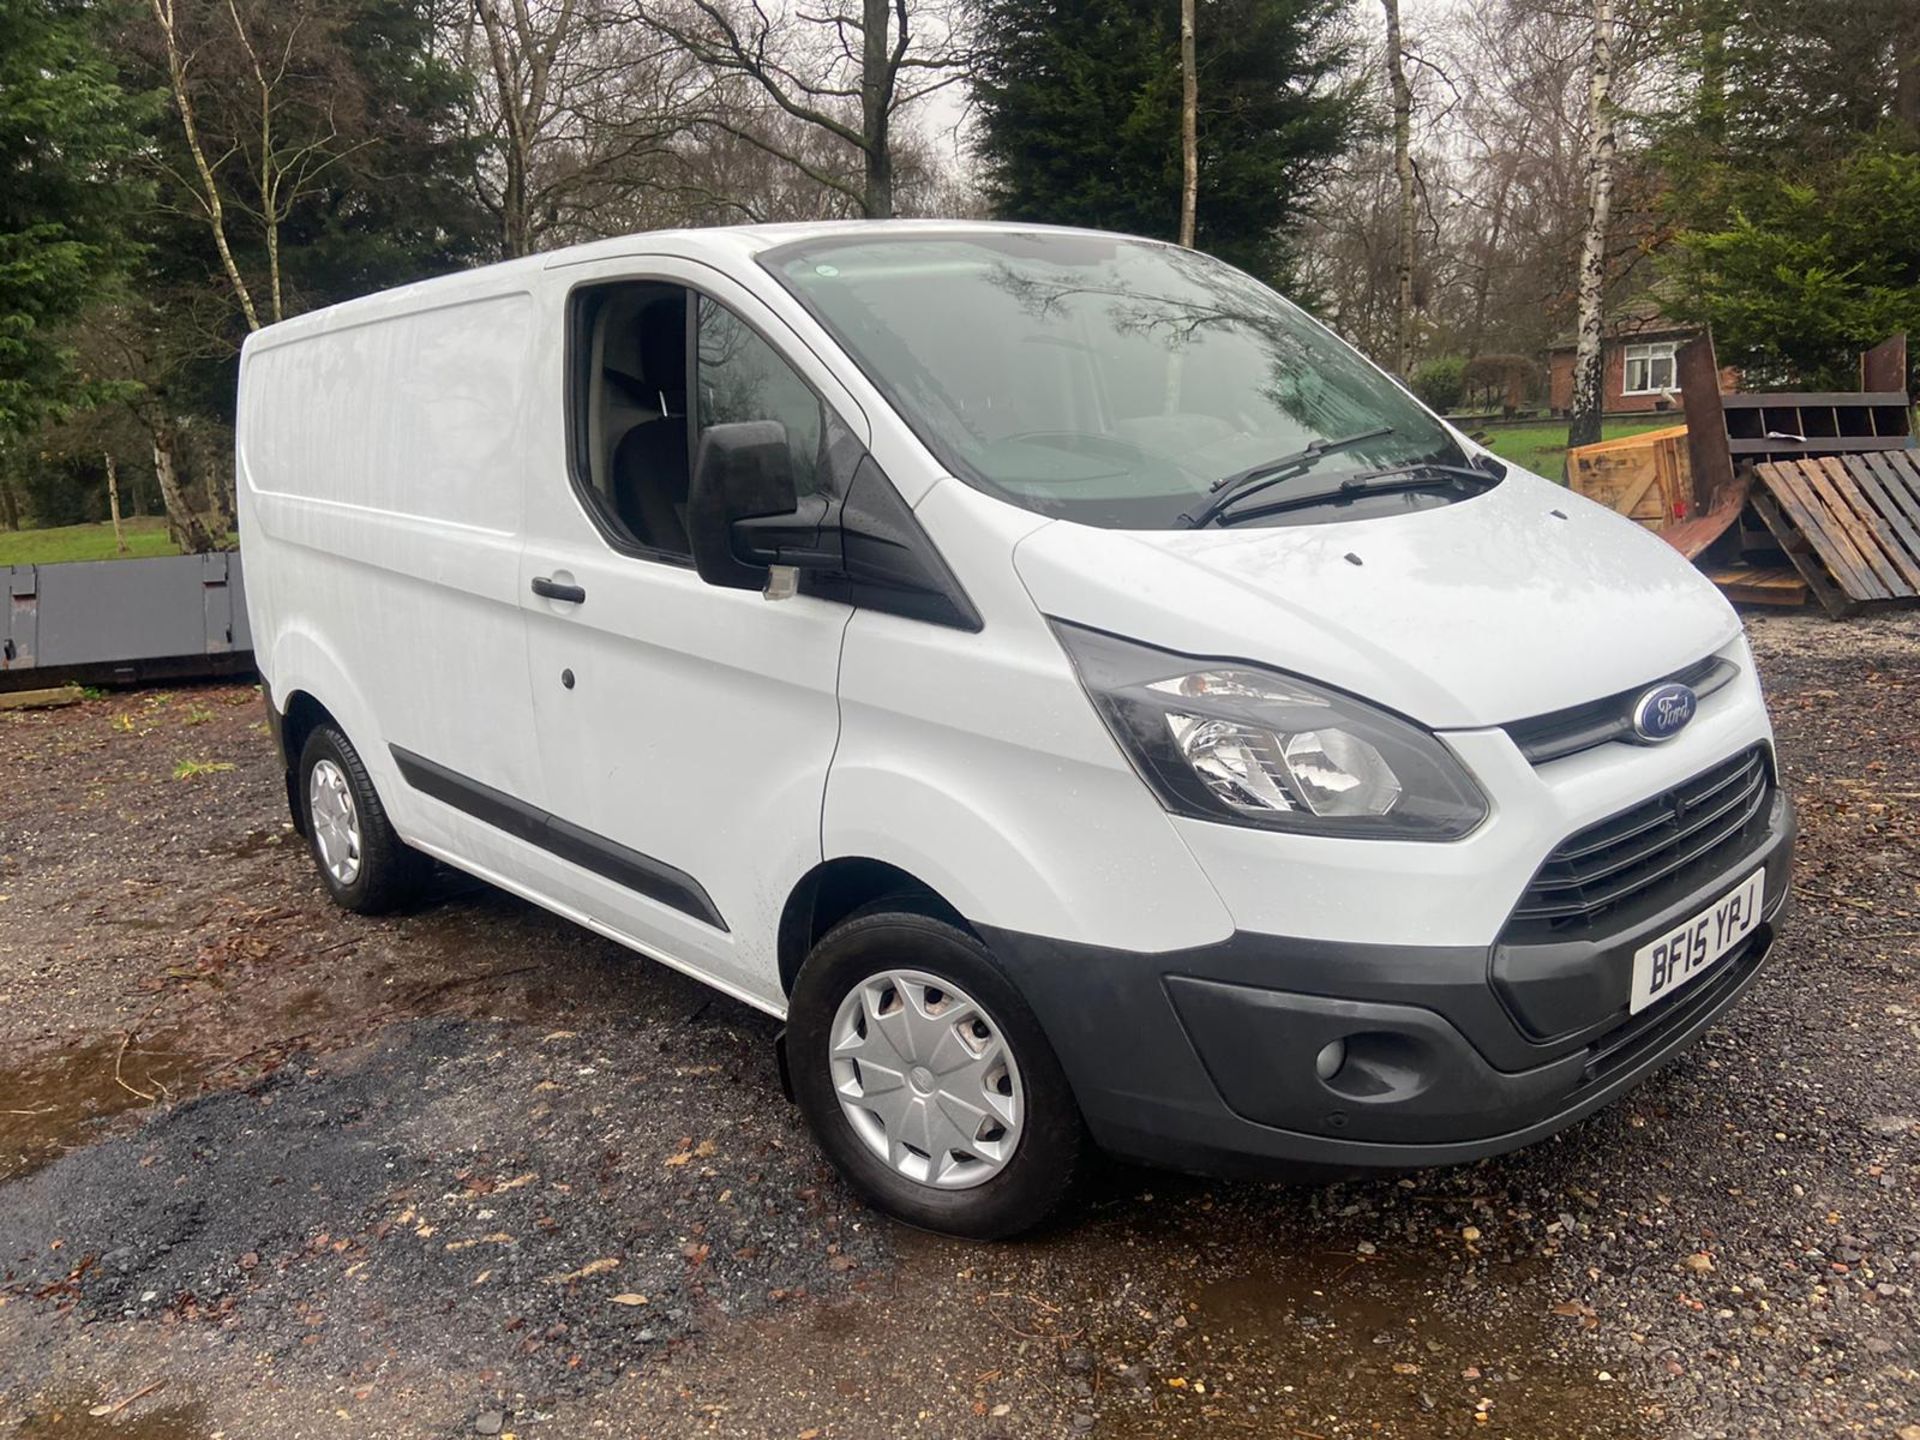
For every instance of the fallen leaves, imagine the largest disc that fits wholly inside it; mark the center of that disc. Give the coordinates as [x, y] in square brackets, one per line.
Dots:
[629, 1297]
[498, 1237]
[586, 1271]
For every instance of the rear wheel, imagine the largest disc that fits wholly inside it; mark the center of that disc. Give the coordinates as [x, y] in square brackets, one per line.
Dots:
[927, 1079]
[365, 866]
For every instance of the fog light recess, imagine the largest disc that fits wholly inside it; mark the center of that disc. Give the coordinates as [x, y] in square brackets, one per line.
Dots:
[1331, 1059]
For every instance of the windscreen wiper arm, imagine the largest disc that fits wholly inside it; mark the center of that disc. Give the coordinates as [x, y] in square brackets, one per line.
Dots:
[1229, 488]
[1421, 476]
[1479, 471]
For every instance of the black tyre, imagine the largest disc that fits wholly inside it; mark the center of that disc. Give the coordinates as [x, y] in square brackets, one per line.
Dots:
[928, 1081]
[365, 866]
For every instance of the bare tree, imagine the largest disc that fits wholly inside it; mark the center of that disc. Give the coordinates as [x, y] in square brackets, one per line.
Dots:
[1501, 119]
[576, 108]
[524, 43]
[1190, 125]
[1402, 94]
[255, 96]
[846, 69]
[1589, 349]
[282, 168]
[179, 62]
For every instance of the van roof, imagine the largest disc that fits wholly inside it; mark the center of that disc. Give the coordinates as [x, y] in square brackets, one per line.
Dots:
[733, 242]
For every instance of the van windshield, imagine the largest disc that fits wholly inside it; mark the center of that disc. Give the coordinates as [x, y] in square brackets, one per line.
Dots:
[1102, 380]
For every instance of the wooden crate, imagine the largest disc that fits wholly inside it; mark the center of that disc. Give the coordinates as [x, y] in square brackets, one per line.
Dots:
[1645, 477]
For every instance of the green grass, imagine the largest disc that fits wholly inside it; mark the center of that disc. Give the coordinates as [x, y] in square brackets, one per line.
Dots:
[146, 538]
[1543, 448]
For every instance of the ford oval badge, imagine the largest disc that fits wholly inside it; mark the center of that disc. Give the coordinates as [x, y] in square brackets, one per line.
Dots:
[1663, 712]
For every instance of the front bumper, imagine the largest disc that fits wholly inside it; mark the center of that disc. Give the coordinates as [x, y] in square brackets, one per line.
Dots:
[1205, 1059]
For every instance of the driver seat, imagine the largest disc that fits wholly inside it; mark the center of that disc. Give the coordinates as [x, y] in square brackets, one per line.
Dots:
[651, 474]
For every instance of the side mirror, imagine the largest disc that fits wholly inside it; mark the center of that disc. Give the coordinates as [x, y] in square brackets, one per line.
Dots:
[743, 516]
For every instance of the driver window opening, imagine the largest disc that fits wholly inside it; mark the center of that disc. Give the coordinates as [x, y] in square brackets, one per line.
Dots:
[631, 426]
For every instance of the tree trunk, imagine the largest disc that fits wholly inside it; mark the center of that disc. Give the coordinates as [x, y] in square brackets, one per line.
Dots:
[184, 524]
[1483, 283]
[1189, 126]
[516, 226]
[876, 106]
[9, 507]
[1589, 347]
[520, 115]
[210, 198]
[1403, 171]
[113, 503]
[1906, 83]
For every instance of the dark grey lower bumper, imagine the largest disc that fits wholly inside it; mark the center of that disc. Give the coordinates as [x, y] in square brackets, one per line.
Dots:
[1205, 1059]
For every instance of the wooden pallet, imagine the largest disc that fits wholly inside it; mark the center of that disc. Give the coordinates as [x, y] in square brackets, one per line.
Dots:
[1758, 585]
[1850, 524]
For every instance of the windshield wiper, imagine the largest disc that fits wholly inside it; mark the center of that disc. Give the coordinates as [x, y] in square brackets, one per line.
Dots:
[1421, 475]
[1229, 488]
[1481, 470]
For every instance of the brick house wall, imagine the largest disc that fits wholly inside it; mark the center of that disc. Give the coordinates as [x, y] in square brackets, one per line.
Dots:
[1614, 399]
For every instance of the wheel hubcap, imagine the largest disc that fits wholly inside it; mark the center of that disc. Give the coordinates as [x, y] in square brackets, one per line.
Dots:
[335, 821]
[926, 1079]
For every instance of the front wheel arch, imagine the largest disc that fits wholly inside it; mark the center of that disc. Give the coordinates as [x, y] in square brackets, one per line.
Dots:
[834, 891]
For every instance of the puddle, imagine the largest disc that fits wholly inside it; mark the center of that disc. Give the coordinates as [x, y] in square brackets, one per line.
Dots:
[54, 1102]
[1340, 1344]
[69, 1416]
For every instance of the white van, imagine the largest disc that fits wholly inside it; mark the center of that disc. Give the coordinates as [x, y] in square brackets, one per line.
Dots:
[1081, 695]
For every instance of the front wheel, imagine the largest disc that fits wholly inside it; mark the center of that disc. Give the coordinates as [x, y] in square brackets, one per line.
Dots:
[928, 1081]
[365, 866]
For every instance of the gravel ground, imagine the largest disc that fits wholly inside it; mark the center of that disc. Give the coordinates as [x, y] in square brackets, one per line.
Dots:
[279, 1171]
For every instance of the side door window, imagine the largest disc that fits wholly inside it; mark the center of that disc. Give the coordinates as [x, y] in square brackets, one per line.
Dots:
[741, 377]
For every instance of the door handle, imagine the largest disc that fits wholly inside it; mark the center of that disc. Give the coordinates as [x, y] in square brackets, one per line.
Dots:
[554, 590]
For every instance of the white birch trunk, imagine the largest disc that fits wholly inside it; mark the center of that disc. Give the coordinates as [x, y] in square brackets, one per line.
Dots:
[184, 522]
[1189, 127]
[113, 503]
[1402, 93]
[1589, 344]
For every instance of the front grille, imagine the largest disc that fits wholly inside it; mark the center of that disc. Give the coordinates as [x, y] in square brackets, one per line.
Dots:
[1582, 727]
[1661, 847]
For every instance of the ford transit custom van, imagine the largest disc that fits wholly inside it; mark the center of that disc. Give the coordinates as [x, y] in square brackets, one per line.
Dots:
[1081, 696]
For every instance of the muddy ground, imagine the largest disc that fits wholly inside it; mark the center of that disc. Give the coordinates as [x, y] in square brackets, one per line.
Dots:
[267, 1169]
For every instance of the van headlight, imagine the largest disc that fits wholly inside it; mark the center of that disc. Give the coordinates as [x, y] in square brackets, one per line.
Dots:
[1220, 740]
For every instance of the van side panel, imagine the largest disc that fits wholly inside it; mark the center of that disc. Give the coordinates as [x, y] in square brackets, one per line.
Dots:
[381, 463]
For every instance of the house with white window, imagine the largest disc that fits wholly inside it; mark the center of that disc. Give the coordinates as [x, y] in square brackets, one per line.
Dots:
[1641, 366]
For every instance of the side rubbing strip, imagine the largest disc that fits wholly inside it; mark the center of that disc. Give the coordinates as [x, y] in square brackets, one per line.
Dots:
[496, 807]
[640, 873]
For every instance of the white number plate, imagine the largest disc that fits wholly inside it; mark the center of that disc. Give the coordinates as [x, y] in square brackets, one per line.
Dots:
[1689, 950]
